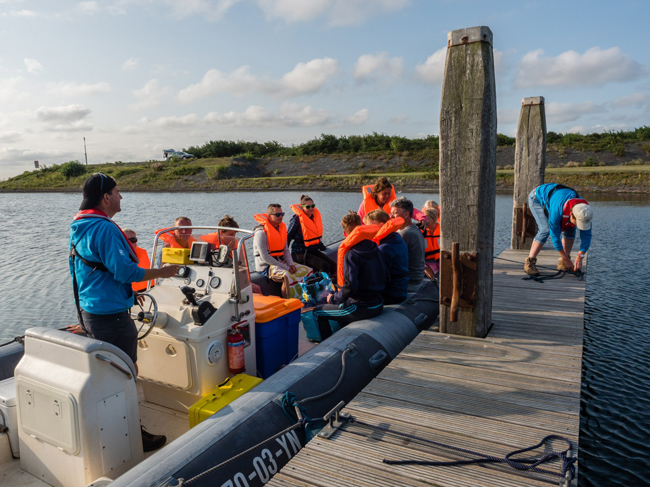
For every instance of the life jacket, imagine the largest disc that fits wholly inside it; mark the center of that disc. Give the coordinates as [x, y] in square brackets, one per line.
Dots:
[369, 203]
[212, 238]
[170, 240]
[312, 230]
[277, 239]
[145, 263]
[566, 212]
[432, 243]
[391, 226]
[362, 232]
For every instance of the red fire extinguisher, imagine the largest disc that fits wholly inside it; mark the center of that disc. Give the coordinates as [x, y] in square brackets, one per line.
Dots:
[236, 351]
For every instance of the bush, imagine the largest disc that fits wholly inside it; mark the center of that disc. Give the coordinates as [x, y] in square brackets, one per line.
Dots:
[590, 162]
[218, 171]
[186, 170]
[505, 141]
[72, 169]
[156, 166]
[572, 164]
[249, 156]
[126, 171]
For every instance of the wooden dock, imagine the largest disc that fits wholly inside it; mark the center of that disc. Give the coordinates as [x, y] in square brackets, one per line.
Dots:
[492, 395]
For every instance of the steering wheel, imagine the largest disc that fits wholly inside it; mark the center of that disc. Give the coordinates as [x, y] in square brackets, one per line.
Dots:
[146, 318]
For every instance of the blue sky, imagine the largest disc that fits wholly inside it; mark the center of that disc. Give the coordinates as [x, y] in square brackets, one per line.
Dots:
[139, 76]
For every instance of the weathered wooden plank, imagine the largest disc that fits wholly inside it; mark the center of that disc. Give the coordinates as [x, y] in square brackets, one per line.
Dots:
[468, 135]
[530, 161]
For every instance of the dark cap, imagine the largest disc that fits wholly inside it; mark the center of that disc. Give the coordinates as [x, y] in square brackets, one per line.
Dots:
[94, 188]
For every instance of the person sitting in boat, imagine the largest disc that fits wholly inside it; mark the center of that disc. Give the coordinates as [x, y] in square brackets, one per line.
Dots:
[272, 256]
[378, 196]
[181, 238]
[431, 231]
[143, 257]
[403, 208]
[394, 252]
[305, 233]
[103, 264]
[223, 237]
[558, 210]
[361, 276]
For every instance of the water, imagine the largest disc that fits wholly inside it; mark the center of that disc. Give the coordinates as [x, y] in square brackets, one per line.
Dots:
[35, 290]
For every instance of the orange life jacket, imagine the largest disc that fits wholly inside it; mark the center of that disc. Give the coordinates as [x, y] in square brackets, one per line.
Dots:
[145, 263]
[170, 240]
[391, 226]
[360, 233]
[312, 230]
[277, 239]
[369, 203]
[212, 238]
[432, 243]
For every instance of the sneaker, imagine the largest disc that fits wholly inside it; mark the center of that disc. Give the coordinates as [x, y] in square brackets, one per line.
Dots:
[530, 266]
[151, 442]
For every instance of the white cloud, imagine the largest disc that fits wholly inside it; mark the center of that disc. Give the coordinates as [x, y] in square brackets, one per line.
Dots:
[359, 118]
[177, 122]
[305, 78]
[596, 67]
[289, 115]
[88, 7]
[569, 112]
[73, 90]
[150, 95]
[10, 89]
[69, 118]
[337, 12]
[23, 13]
[209, 9]
[379, 65]
[130, 64]
[10, 137]
[399, 119]
[433, 69]
[635, 99]
[33, 66]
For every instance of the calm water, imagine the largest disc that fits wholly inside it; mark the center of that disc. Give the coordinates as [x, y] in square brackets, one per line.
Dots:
[35, 290]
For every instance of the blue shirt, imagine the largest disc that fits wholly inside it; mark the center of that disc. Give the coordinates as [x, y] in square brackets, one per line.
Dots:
[103, 293]
[395, 253]
[554, 207]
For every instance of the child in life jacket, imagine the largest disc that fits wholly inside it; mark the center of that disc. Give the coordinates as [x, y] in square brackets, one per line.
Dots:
[395, 253]
[361, 275]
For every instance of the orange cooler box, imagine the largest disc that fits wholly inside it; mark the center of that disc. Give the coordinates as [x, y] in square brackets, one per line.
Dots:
[277, 322]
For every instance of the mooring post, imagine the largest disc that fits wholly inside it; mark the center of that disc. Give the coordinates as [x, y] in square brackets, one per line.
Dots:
[468, 153]
[530, 163]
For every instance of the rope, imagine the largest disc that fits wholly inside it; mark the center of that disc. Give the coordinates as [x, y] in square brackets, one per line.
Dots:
[338, 382]
[19, 339]
[516, 463]
[544, 277]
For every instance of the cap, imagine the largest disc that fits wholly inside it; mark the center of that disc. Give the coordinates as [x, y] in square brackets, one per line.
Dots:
[583, 215]
[96, 186]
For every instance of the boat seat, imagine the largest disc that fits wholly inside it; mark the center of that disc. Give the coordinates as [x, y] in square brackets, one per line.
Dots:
[79, 342]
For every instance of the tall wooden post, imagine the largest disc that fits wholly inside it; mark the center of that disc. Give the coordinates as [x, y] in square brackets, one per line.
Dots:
[468, 154]
[530, 163]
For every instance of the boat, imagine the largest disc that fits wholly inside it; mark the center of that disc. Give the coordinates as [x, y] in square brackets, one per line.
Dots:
[74, 418]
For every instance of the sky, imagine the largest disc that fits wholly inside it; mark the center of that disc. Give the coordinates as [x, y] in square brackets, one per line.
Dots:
[135, 77]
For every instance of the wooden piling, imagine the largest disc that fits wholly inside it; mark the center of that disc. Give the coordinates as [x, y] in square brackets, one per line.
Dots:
[468, 148]
[530, 163]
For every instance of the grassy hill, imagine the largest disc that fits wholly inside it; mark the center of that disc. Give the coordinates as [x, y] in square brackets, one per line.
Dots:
[615, 162]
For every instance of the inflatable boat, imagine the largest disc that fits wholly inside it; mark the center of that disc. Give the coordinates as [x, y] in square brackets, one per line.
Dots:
[72, 406]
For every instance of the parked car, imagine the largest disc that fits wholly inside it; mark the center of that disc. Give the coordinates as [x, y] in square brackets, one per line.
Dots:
[171, 153]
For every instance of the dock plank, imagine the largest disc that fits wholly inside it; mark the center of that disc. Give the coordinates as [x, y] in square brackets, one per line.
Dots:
[491, 395]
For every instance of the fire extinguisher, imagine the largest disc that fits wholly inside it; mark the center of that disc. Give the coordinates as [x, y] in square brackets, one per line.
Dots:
[236, 351]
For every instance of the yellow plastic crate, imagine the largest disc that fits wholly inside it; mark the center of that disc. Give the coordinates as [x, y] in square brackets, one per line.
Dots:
[221, 397]
[176, 256]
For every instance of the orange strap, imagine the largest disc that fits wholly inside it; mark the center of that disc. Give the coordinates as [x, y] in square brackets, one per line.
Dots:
[391, 226]
[276, 238]
[312, 230]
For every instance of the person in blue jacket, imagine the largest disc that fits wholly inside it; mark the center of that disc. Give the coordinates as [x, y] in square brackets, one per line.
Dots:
[395, 254]
[558, 210]
[365, 276]
[103, 265]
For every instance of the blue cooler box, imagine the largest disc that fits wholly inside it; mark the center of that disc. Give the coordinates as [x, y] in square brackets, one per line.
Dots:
[276, 332]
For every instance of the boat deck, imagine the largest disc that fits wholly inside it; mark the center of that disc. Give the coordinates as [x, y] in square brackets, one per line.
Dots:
[492, 395]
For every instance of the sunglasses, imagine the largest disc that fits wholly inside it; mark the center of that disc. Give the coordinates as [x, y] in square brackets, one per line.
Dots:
[133, 240]
[308, 207]
[277, 214]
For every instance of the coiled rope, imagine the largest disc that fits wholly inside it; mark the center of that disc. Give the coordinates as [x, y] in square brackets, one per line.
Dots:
[516, 463]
